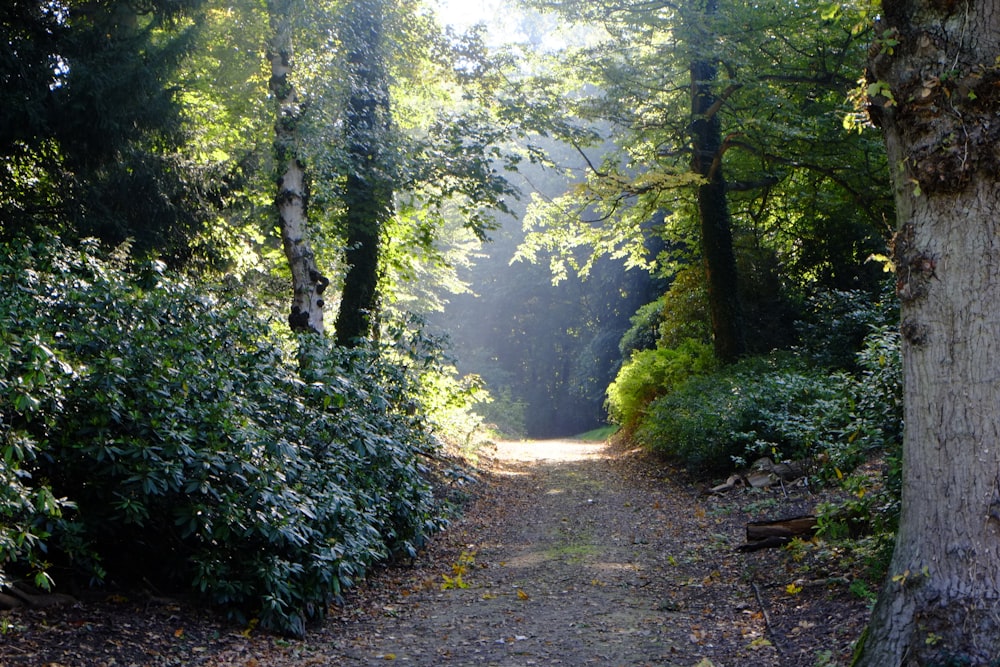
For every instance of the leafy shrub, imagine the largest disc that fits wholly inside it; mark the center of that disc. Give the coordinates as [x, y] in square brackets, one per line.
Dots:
[836, 323]
[196, 450]
[504, 413]
[652, 373]
[880, 390]
[33, 380]
[770, 406]
[783, 407]
[867, 522]
[685, 313]
[644, 329]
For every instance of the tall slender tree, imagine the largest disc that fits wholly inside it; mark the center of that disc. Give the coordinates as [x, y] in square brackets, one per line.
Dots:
[934, 87]
[713, 209]
[292, 199]
[369, 188]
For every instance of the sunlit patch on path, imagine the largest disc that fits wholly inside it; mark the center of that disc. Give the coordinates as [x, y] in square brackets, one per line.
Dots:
[554, 451]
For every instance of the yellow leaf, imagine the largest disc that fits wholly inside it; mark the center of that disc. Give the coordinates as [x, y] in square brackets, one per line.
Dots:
[792, 589]
[521, 595]
[250, 627]
[179, 633]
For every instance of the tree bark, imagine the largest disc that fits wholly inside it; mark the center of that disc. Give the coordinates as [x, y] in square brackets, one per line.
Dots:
[292, 198]
[937, 95]
[369, 191]
[713, 210]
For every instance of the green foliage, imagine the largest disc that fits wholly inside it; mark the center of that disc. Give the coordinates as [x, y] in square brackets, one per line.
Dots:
[760, 406]
[653, 373]
[195, 451]
[778, 407]
[504, 413]
[782, 80]
[92, 144]
[835, 323]
[33, 378]
[685, 308]
[868, 521]
[644, 329]
[880, 391]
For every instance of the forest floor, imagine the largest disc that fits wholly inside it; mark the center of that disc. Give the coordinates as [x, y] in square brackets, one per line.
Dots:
[569, 553]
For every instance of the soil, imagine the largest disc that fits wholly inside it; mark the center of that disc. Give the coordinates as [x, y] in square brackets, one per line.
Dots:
[569, 553]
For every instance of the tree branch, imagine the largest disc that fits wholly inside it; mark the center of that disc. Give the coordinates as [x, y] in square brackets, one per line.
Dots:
[721, 99]
[587, 160]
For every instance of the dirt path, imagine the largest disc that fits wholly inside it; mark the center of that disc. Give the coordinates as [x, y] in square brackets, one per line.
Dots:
[576, 555]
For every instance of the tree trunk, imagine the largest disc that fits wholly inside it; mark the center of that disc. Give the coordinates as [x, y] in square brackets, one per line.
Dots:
[292, 199]
[935, 71]
[713, 210]
[368, 194]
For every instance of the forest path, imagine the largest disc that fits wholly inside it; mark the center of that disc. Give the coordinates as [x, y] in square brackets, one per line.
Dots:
[579, 556]
[570, 553]
[588, 567]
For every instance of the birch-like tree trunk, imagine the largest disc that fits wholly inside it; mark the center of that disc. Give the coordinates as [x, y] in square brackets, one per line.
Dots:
[292, 199]
[935, 87]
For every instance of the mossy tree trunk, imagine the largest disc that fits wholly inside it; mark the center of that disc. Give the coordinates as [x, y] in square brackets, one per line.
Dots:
[713, 211]
[369, 189]
[935, 87]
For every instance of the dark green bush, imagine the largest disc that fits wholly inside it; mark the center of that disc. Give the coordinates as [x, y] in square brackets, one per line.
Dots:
[197, 452]
[868, 521]
[771, 406]
[644, 330]
[835, 324]
[783, 407]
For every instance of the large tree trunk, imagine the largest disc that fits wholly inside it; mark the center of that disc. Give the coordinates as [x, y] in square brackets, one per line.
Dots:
[713, 210]
[292, 198]
[938, 62]
[368, 194]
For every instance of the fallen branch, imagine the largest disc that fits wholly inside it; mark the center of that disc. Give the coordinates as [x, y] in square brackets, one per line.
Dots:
[768, 626]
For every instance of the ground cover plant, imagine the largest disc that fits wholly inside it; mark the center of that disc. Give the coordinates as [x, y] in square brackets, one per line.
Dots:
[833, 404]
[155, 429]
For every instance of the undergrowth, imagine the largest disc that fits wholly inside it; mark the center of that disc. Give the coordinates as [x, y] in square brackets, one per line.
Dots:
[153, 429]
[829, 404]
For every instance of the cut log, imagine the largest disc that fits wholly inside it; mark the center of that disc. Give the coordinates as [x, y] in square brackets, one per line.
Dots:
[763, 474]
[773, 534]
